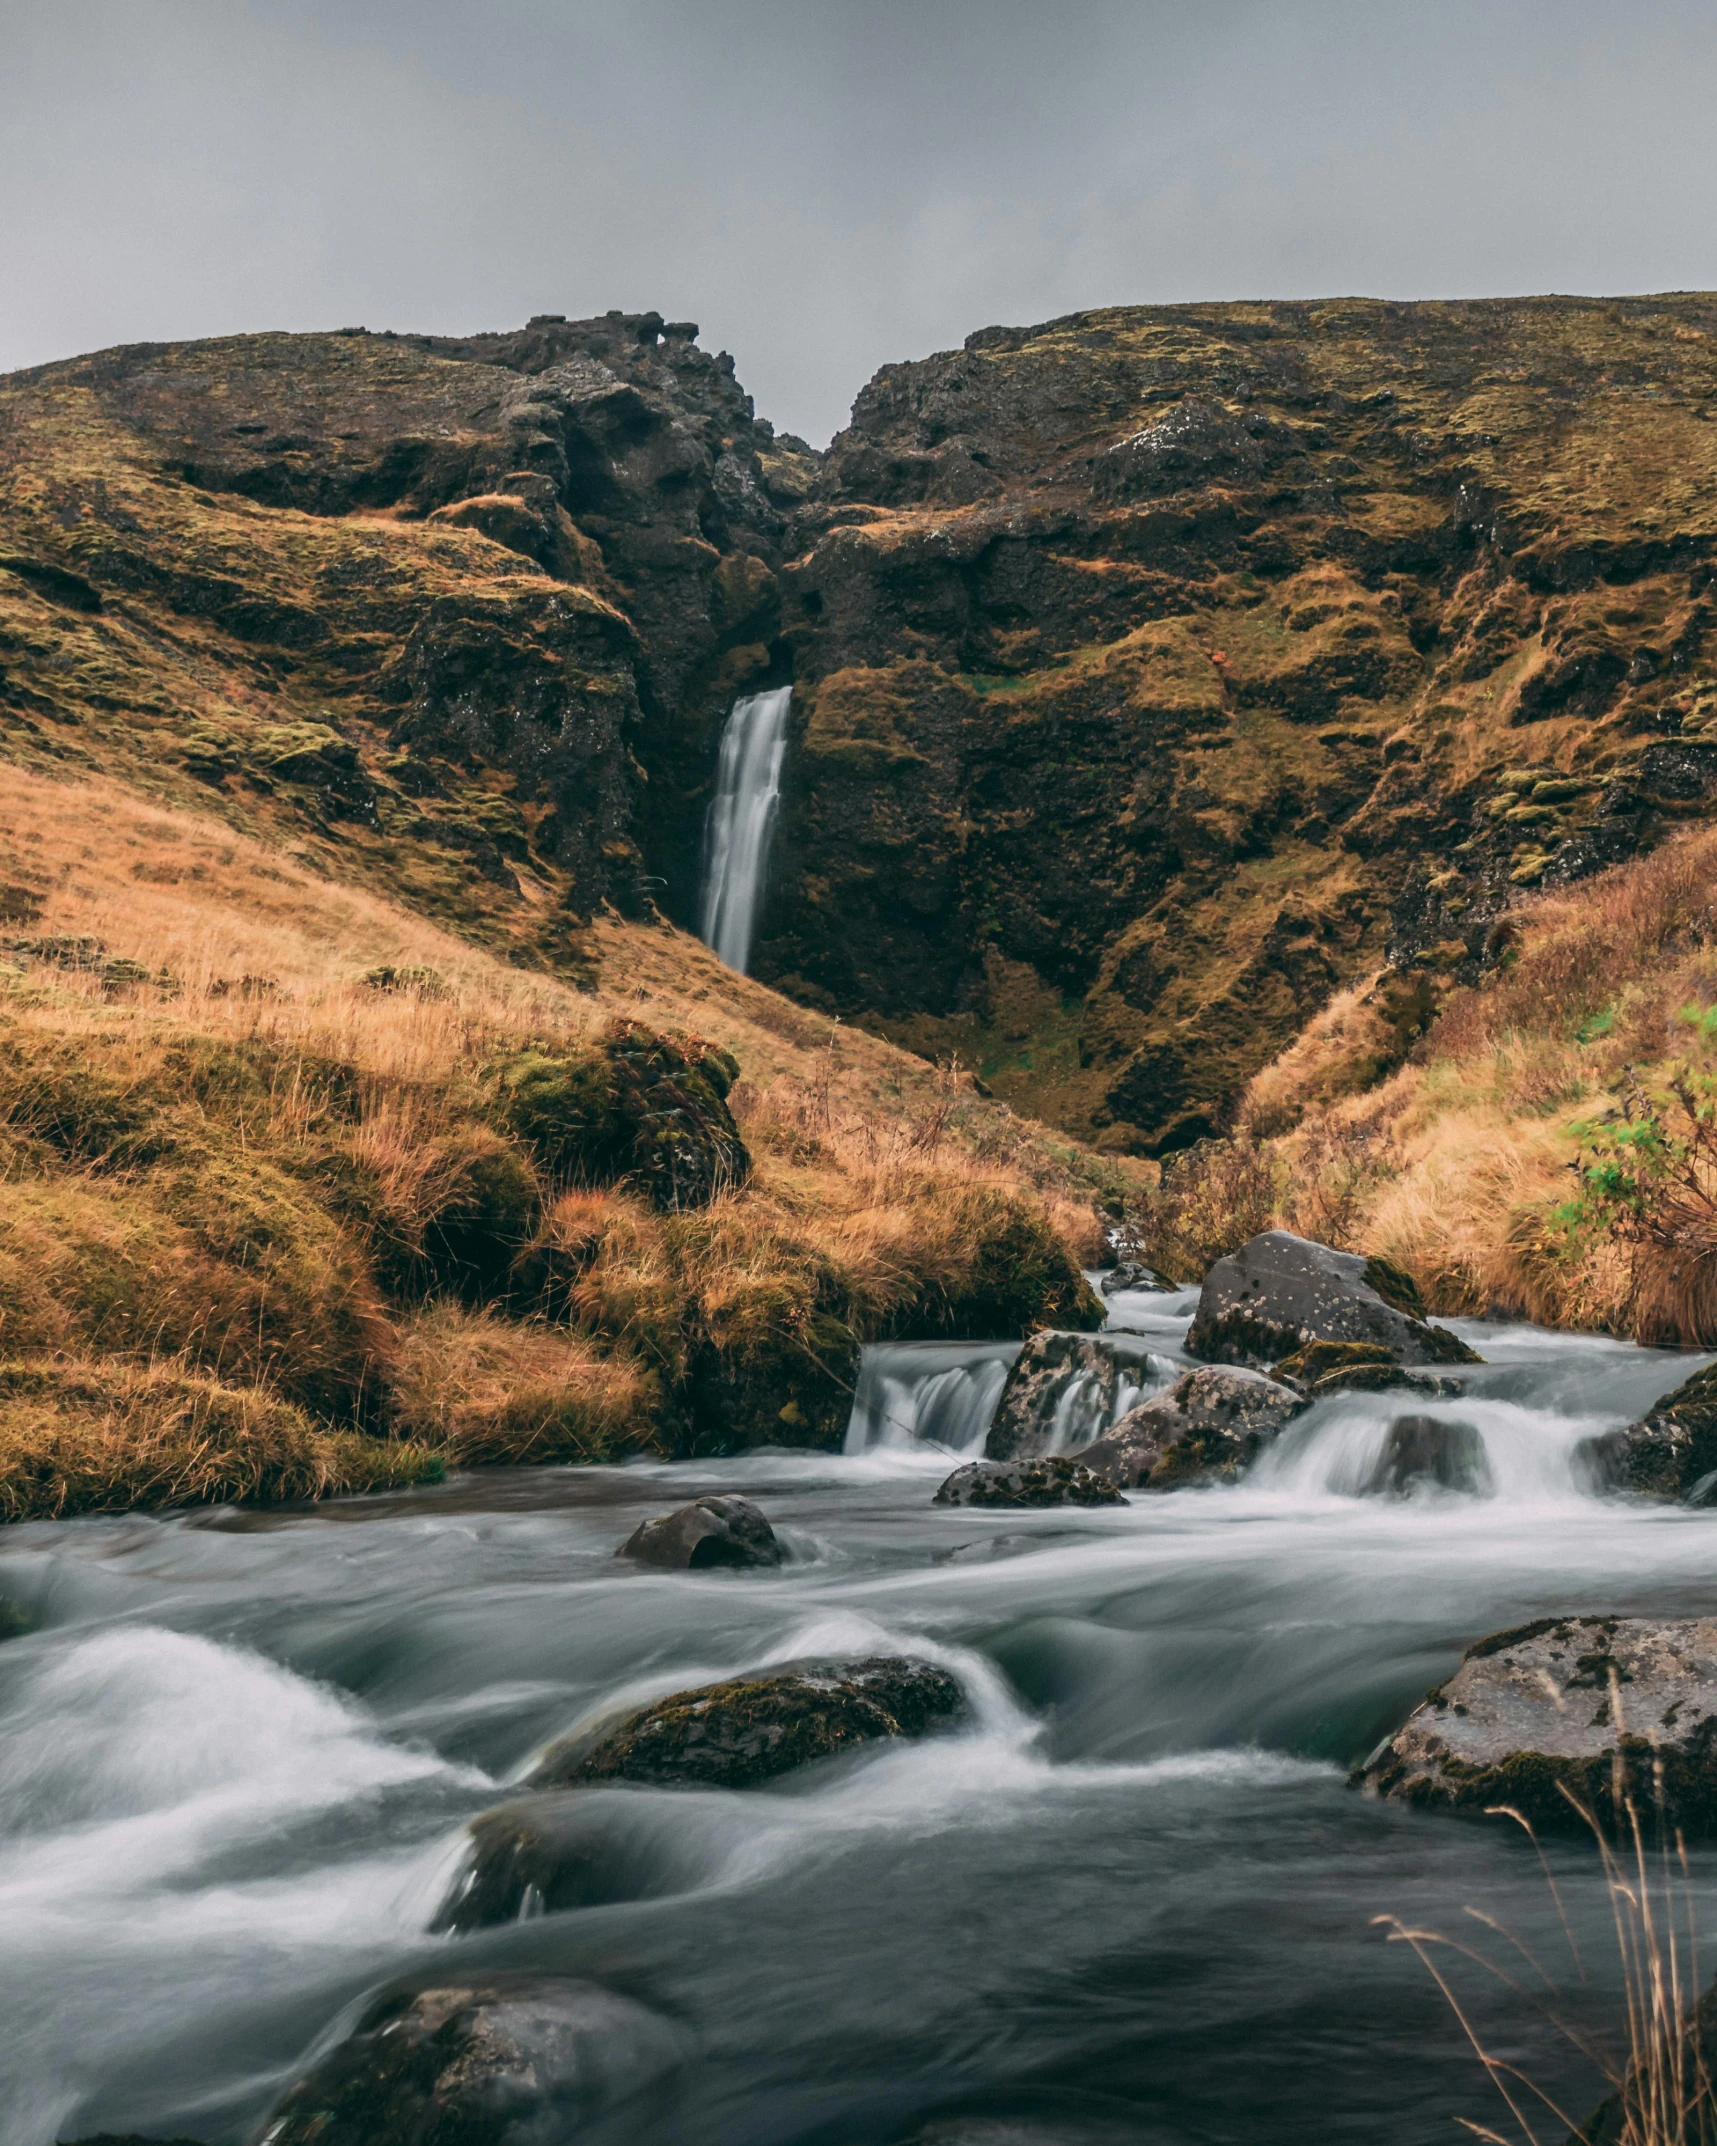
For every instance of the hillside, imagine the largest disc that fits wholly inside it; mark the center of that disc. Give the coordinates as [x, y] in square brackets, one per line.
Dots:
[298, 1191]
[1158, 671]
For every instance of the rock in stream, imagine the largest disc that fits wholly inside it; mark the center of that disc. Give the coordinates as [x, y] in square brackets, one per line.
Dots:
[1280, 1292]
[707, 1533]
[1208, 1427]
[1056, 1479]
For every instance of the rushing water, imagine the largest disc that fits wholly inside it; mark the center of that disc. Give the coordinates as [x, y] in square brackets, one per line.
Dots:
[1132, 1900]
[741, 820]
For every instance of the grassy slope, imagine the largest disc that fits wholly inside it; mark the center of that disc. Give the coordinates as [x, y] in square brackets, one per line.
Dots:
[231, 1171]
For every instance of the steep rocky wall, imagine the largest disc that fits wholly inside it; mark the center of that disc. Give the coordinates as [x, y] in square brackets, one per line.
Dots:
[1159, 669]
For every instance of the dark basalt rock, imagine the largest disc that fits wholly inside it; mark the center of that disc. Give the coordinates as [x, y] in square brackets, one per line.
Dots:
[1672, 1451]
[505, 2060]
[1552, 1706]
[1131, 1275]
[548, 1853]
[1280, 1292]
[752, 1729]
[1055, 1479]
[1208, 1427]
[707, 1533]
[1055, 1376]
[1422, 1452]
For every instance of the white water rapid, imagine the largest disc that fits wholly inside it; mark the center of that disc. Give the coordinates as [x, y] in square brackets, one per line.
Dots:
[741, 821]
[1130, 1902]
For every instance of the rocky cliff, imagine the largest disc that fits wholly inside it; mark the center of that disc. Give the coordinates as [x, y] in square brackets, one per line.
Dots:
[1157, 670]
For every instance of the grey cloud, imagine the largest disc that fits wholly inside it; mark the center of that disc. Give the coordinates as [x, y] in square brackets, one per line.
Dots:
[827, 187]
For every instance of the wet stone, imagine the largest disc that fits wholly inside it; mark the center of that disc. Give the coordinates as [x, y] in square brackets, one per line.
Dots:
[1552, 1706]
[1422, 1452]
[1060, 1387]
[551, 1852]
[707, 1533]
[1208, 1427]
[1672, 1451]
[1131, 1275]
[498, 2061]
[1056, 1479]
[753, 1729]
[1280, 1293]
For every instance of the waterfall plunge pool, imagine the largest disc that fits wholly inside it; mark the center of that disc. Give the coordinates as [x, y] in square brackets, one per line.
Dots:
[1131, 1900]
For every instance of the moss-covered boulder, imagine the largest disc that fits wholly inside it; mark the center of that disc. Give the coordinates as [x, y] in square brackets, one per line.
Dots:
[1055, 1479]
[482, 2062]
[1323, 1368]
[752, 1729]
[1280, 1293]
[1672, 1451]
[1546, 1711]
[1208, 1427]
[1060, 1389]
[638, 1106]
[551, 1852]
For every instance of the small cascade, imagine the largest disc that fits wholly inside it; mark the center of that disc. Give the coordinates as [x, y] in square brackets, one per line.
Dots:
[936, 1394]
[741, 821]
[1390, 1445]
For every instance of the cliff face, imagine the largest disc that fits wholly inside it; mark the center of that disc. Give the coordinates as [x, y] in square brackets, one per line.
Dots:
[460, 615]
[1157, 671]
[1160, 669]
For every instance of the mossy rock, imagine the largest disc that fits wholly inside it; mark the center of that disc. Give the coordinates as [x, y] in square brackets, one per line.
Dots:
[1052, 1479]
[1317, 1359]
[637, 1106]
[1672, 1451]
[753, 1729]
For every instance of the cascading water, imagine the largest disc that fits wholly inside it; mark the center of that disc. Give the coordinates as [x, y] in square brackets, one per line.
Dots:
[741, 821]
[1132, 1898]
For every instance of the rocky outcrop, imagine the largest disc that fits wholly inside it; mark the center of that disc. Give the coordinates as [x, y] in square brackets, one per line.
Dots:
[1059, 1389]
[1280, 1292]
[1425, 1452]
[1672, 1451]
[1057, 1479]
[491, 2061]
[1568, 1706]
[742, 1733]
[708, 1533]
[1209, 1427]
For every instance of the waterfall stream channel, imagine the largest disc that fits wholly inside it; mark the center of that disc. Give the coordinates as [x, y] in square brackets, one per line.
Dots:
[1131, 1899]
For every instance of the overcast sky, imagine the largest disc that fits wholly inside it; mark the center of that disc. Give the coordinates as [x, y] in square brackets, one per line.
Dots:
[826, 185]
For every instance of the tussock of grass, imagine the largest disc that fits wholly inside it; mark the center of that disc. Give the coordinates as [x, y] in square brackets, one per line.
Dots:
[101, 1436]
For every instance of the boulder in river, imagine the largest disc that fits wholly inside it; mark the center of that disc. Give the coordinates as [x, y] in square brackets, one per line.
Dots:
[549, 1852]
[1060, 1385]
[1425, 1452]
[1208, 1427]
[707, 1533]
[751, 1729]
[1672, 1451]
[495, 2060]
[1130, 1274]
[1054, 1479]
[1322, 1368]
[15, 1619]
[1568, 1703]
[1280, 1292]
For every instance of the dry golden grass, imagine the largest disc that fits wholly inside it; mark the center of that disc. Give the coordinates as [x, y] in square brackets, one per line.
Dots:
[249, 1125]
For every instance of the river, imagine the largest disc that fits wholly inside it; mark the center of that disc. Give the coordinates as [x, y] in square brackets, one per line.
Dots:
[1131, 1900]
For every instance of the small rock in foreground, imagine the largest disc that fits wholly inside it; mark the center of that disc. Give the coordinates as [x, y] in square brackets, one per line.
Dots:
[1280, 1292]
[1208, 1427]
[495, 2062]
[1551, 1705]
[737, 1734]
[707, 1533]
[1055, 1479]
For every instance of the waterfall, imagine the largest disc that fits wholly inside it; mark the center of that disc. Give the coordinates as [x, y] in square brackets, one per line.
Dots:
[741, 820]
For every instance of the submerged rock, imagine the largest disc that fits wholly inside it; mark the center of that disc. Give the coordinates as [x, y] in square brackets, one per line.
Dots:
[1060, 1385]
[1672, 1451]
[15, 1619]
[1208, 1427]
[1423, 1452]
[1279, 1293]
[550, 1852]
[737, 1734]
[706, 1533]
[1131, 1275]
[505, 2060]
[1055, 1479]
[1555, 1705]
